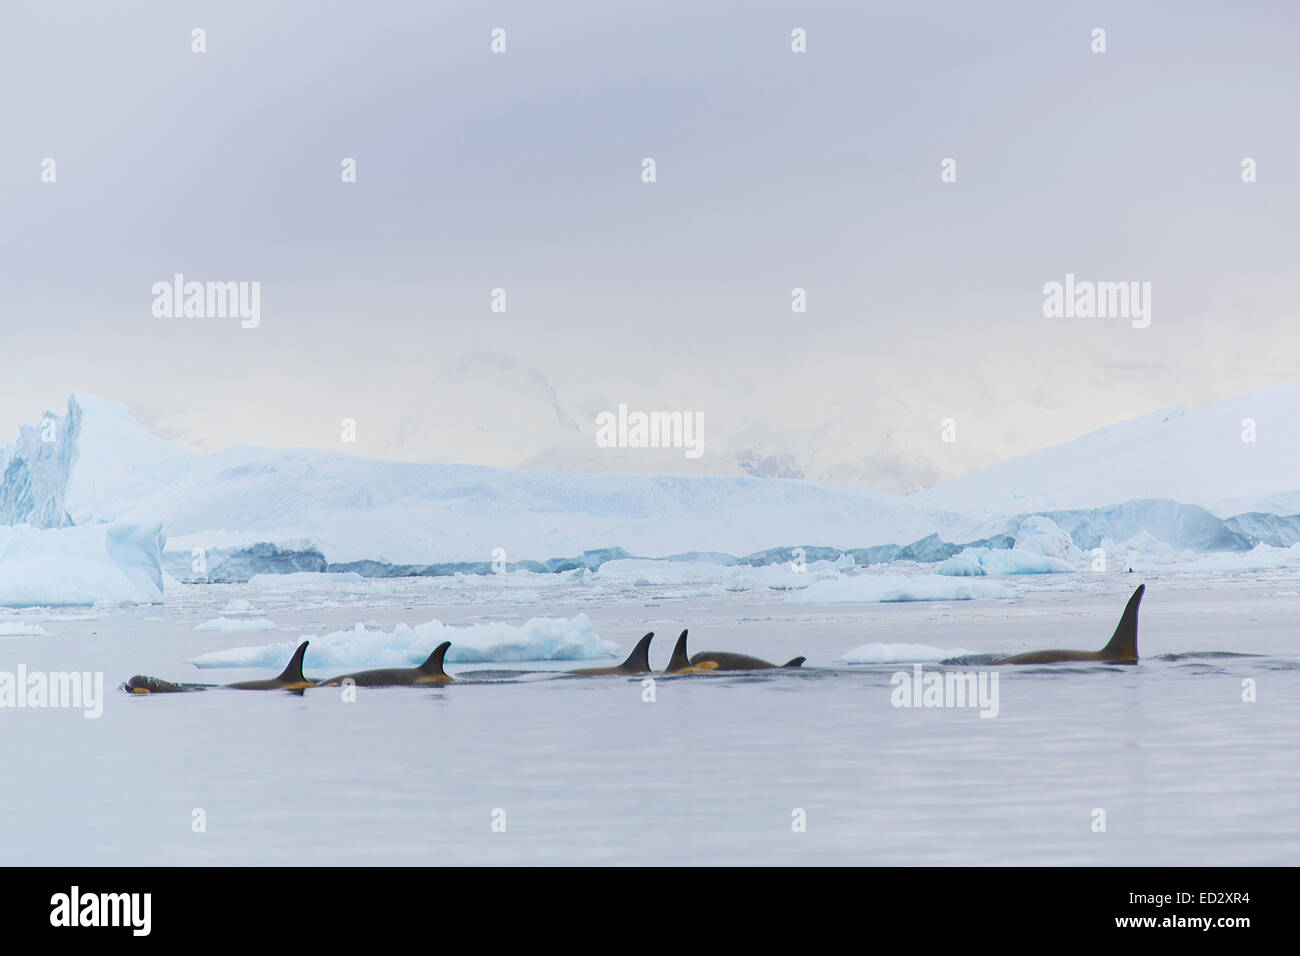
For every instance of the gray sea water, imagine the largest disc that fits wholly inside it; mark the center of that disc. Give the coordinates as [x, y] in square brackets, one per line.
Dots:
[723, 769]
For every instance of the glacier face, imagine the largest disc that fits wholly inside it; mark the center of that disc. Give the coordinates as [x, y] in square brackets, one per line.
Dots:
[35, 470]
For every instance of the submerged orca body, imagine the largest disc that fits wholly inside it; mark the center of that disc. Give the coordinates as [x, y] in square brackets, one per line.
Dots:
[724, 661]
[290, 678]
[1122, 649]
[709, 661]
[638, 662]
[430, 672]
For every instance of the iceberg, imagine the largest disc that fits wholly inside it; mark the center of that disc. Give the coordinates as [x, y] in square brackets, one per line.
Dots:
[1041, 535]
[96, 564]
[978, 562]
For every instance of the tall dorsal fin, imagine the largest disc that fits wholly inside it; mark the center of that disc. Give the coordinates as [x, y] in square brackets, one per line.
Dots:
[433, 663]
[292, 674]
[639, 660]
[1123, 644]
[680, 659]
[795, 662]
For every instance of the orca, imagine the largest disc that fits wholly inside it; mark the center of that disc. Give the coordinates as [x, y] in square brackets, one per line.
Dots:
[430, 672]
[724, 661]
[638, 662]
[1122, 649]
[709, 661]
[142, 684]
[291, 678]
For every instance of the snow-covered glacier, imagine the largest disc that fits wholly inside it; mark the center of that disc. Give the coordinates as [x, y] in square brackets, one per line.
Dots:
[254, 510]
[73, 477]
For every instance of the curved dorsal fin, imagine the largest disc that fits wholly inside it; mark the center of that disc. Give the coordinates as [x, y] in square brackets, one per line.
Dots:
[795, 662]
[433, 663]
[680, 659]
[639, 660]
[292, 674]
[1123, 644]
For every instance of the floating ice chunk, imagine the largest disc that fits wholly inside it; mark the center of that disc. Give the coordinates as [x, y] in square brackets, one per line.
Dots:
[1040, 535]
[241, 606]
[21, 629]
[538, 639]
[1259, 558]
[876, 588]
[977, 562]
[968, 564]
[237, 624]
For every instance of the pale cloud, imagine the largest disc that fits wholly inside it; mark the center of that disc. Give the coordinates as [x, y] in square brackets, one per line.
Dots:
[775, 171]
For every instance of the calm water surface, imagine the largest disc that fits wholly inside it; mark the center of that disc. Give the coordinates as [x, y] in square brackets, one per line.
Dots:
[713, 770]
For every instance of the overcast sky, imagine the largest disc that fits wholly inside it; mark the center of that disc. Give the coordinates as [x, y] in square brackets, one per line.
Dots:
[522, 170]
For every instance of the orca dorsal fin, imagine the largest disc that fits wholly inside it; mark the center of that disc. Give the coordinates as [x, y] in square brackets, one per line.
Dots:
[1123, 644]
[433, 663]
[292, 674]
[795, 662]
[638, 662]
[680, 659]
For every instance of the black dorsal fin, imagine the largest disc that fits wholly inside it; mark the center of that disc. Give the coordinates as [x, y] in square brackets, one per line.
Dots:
[1123, 644]
[292, 674]
[433, 663]
[795, 662]
[680, 659]
[638, 662]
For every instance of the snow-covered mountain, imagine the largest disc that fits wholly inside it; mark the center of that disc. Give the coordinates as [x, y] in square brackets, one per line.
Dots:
[1233, 456]
[492, 408]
